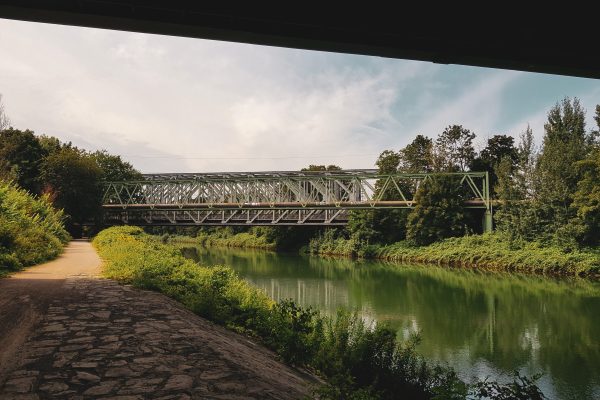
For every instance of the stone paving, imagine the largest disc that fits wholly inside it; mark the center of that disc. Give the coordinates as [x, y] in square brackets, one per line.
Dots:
[108, 341]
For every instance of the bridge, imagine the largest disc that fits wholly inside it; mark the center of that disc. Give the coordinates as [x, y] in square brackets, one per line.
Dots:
[274, 198]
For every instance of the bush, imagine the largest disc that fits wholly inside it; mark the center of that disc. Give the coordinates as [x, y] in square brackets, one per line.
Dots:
[31, 230]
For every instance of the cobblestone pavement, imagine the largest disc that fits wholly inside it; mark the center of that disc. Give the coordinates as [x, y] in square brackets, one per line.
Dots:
[109, 341]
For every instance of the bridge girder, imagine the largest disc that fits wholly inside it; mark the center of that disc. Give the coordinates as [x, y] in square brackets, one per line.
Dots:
[268, 198]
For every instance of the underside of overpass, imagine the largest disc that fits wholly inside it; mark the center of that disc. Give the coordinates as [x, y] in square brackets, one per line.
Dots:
[549, 41]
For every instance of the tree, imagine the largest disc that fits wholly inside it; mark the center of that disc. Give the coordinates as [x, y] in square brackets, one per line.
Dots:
[20, 158]
[586, 201]
[439, 212]
[323, 168]
[454, 149]
[114, 168]
[498, 148]
[50, 144]
[418, 155]
[595, 134]
[4, 120]
[72, 180]
[527, 159]
[565, 143]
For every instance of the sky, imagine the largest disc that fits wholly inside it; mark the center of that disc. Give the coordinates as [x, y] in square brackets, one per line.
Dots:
[171, 104]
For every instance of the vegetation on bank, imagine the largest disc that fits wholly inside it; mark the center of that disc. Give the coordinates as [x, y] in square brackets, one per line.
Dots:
[255, 238]
[358, 361]
[547, 214]
[70, 178]
[31, 230]
[492, 251]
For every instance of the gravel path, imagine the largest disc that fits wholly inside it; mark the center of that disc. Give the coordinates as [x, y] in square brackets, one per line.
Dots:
[79, 337]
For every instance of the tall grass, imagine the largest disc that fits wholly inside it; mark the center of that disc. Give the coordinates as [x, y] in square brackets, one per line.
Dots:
[255, 238]
[358, 361]
[493, 251]
[31, 230]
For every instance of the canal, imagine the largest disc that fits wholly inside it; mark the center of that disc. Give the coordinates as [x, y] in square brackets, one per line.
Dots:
[481, 324]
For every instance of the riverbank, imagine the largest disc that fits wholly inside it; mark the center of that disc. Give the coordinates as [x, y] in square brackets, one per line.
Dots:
[357, 361]
[487, 252]
[108, 340]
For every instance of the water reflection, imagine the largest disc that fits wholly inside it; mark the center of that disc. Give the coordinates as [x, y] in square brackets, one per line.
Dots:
[481, 324]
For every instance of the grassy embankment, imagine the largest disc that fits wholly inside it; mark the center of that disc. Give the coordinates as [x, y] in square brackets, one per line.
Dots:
[31, 230]
[254, 239]
[486, 252]
[358, 361]
[489, 252]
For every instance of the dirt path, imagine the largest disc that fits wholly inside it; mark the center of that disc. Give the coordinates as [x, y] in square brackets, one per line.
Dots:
[65, 333]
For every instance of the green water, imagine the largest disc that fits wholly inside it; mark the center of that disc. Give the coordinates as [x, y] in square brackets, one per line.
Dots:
[480, 324]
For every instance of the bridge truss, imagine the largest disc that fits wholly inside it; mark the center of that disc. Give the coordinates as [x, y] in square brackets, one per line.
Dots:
[273, 198]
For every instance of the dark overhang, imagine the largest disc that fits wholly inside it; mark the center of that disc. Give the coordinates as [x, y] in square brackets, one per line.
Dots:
[560, 46]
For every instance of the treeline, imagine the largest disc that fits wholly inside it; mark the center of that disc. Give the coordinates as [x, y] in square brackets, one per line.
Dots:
[69, 177]
[546, 204]
[548, 193]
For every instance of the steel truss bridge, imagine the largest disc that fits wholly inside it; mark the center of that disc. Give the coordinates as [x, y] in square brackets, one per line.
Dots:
[273, 198]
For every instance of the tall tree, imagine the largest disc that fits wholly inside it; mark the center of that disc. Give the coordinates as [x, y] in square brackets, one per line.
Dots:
[595, 134]
[4, 120]
[439, 212]
[418, 155]
[114, 168]
[20, 158]
[72, 180]
[498, 148]
[527, 153]
[565, 143]
[587, 199]
[314, 167]
[454, 149]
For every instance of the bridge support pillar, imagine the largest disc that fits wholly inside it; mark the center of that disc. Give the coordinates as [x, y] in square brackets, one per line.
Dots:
[488, 223]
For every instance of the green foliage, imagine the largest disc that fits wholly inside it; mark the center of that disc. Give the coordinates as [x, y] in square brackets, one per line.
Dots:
[256, 238]
[330, 167]
[31, 230]
[521, 388]
[564, 144]
[21, 156]
[454, 149]
[418, 156]
[72, 179]
[439, 212]
[586, 202]
[4, 120]
[113, 168]
[496, 251]
[499, 147]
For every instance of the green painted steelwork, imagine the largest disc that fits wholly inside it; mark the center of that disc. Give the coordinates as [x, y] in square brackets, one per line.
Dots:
[276, 197]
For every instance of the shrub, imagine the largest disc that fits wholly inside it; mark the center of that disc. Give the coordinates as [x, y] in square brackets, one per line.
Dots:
[31, 230]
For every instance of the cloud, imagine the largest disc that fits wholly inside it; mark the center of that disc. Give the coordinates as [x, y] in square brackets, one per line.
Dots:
[180, 104]
[476, 106]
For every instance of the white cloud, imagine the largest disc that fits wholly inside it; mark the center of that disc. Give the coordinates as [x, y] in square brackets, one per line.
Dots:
[178, 104]
[476, 107]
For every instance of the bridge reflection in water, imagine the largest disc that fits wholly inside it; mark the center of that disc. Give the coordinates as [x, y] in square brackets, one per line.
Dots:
[274, 198]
